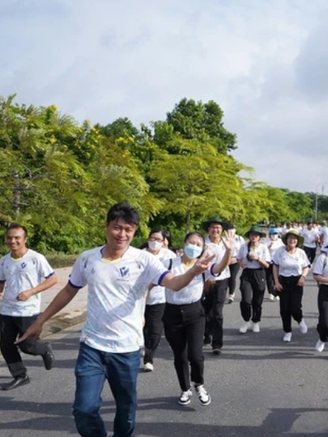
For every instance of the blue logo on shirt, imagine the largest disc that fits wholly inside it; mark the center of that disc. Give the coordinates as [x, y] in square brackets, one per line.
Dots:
[124, 271]
[23, 265]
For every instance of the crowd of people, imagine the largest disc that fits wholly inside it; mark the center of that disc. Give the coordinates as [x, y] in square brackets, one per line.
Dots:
[135, 294]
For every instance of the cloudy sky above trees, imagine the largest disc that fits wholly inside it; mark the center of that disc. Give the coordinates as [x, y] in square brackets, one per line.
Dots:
[264, 62]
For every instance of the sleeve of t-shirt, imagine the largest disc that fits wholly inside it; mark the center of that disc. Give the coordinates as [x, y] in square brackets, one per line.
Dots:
[45, 268]
[266, 254]
[2, 273]
[319, 265]
[277, 257]
[77, 277]
[305, 260]
[155, 271]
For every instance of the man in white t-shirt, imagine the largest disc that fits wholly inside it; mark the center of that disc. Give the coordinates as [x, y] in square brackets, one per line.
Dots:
[311, 238]
[117, 276]
[21, 281]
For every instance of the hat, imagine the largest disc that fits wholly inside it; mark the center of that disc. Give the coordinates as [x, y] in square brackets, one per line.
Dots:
[273, 231]
[255, 229]
[214, 219]
[300, 239]
[229, 226]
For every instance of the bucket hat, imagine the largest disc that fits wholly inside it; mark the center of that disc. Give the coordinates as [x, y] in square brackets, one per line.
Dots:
[255, 229]
[300, 239]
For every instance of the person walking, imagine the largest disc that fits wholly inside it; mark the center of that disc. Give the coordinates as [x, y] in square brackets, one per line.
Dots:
[216, 289]
[234, 266]
[320, 275]
[311, 238]
[253, 257]
[24, 275]
[117, 276]
[273, 243]
[155, 302]
[184, 317]
[291, 266]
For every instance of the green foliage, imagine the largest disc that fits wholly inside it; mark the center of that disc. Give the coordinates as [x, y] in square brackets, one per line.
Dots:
[58, 177]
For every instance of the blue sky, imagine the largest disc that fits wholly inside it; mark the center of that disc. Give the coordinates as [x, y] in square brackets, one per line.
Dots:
[264, 62]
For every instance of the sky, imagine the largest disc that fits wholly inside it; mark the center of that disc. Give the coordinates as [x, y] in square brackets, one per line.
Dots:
[265, 62]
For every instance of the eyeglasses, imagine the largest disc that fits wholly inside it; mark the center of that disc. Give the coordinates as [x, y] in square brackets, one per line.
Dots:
[159, 240]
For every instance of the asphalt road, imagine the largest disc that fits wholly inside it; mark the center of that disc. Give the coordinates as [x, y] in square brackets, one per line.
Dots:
[260, 386]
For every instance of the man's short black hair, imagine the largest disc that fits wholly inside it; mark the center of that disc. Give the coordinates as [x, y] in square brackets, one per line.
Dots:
[124, 211]
[17, 226]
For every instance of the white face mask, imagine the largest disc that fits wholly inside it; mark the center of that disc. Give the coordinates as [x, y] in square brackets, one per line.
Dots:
[274, 237]
[155, 245]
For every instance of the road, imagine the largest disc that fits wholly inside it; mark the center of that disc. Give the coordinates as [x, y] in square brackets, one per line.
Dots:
[259, 386]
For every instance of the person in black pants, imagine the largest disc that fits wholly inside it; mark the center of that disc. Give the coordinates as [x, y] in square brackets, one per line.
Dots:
[320, 274]
[253, 257]
[290, 269]
[216, 294]
[21, 273]
[184, 318]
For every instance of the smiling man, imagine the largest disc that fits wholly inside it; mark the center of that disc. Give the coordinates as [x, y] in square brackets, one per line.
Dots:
[117, 276]
[21, 281]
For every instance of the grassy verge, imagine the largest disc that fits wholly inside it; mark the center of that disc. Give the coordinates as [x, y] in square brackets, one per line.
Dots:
[60, 260]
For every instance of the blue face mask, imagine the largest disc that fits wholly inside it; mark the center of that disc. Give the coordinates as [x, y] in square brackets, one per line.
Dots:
[192, 251]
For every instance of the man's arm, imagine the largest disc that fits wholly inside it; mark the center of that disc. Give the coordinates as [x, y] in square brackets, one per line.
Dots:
[2, 286]
[45, 285]
[60, 301]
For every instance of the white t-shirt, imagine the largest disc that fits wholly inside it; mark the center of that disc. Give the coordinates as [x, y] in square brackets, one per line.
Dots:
[260, 251]
[321, 266]
[324, 235]
[22, 274]
[193, 291]
[116, 297]
[275, 245]
[309, 235]
[157, 293]
[217, 249]
[239, 240]
[290, 264]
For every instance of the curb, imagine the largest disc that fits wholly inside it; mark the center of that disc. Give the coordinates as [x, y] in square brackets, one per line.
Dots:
[63, 321]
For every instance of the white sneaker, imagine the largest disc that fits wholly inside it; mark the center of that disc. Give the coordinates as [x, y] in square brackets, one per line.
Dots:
[271, 297]
[287, 337]
[245, 327]
[277, 298]
[303, 327]
[148, 367]
[319, 347]
[184, 398]
[203, 397]
[256, 327]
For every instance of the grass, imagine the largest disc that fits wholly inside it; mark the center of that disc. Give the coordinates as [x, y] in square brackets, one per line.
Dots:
[58, 260]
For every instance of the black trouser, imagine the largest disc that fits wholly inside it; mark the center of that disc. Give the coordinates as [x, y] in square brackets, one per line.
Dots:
[270, 280]
[290, 301]
[252, 287]
[322, 326]
[184, 330]
[234, 269]
[213, 304]
[310, 253]
[11, 328]
[153, 329]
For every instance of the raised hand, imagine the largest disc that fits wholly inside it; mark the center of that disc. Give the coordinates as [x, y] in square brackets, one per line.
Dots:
[229, 239]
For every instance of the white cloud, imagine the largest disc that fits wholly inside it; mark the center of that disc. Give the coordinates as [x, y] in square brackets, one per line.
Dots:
[265, 63]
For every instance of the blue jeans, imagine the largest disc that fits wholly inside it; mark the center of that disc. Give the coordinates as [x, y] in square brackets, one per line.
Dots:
[93, 367]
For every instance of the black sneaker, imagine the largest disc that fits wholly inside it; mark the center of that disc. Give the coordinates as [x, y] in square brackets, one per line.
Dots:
[16, 382]
[48, 357]
[184, 398]
[203, 397]
[217, 351]
[231, 298]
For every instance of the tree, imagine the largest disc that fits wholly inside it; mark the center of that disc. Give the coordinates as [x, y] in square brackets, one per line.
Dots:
[202, 122]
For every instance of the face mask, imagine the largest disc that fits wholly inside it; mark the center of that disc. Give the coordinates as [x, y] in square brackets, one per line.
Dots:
[274, 237]
[155, 245]
[192, 251]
